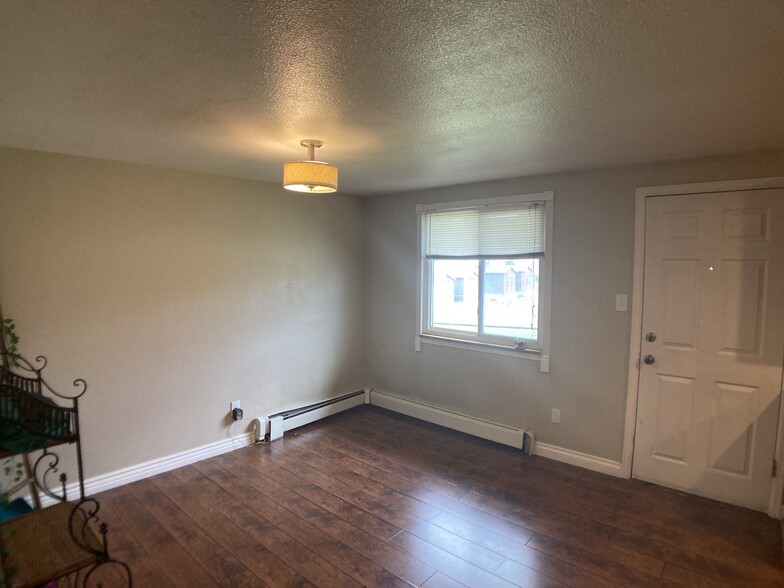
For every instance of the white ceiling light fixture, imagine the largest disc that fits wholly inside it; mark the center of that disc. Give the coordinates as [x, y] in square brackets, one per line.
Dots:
[310, 176]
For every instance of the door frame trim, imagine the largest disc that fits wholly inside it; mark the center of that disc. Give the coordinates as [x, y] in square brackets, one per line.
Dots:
[775, 508]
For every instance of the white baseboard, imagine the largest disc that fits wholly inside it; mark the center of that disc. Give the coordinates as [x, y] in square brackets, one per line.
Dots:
[583, 460]
[460, 422]
[492, 431]
[130, 474]
[452, 420]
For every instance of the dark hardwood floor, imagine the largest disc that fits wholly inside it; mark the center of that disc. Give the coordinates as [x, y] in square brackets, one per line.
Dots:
[371, 498]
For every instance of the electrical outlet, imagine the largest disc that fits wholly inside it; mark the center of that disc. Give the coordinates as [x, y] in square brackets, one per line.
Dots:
[621, 303]
[234, 404]
[555, 416]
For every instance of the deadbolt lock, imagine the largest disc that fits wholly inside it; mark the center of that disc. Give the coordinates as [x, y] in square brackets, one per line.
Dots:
[650, 337]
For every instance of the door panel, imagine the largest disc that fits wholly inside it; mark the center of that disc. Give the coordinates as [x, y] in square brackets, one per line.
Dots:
[713, 295]
[680, 282]
[732, 428]
[742, 307]
[674, 401]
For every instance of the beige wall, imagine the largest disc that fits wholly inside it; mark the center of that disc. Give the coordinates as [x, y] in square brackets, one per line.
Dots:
[593, 260]
[173, 293]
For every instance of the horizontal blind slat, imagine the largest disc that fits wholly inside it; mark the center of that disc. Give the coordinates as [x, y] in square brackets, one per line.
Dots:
[486, 231]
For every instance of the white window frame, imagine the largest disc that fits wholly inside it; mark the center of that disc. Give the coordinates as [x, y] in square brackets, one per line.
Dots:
[490, 345]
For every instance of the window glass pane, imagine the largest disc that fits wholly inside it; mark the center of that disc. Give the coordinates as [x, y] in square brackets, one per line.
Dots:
[511, 298]
[454, 294]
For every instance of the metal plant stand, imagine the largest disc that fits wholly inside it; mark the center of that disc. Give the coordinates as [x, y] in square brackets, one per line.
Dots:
[60, 539]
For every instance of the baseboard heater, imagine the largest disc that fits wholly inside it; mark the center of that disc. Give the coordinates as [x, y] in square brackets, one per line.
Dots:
[499, 433]
[291, 419]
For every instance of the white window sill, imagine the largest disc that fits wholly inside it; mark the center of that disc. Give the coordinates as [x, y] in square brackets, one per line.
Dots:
[529, 354]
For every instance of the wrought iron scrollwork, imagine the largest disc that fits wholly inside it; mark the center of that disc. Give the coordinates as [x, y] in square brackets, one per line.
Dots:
[34, 370]
[86, 528]
[47, 423]
[25, 406]
[42, 478]
[102, 567]
[89, 532]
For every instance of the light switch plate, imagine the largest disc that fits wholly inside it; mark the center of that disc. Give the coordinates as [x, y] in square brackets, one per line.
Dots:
[621, 302]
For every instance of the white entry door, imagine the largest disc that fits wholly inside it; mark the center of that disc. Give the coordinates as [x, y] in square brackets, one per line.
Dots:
[712, 344]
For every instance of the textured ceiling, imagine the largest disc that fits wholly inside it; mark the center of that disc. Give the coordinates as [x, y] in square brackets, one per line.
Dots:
[405, 94]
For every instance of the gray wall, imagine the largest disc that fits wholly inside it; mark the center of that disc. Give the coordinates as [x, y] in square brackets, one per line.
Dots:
[593, 260]
[173, 293]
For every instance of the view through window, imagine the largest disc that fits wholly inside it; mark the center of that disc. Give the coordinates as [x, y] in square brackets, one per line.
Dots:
[510, 297]
[483, 271]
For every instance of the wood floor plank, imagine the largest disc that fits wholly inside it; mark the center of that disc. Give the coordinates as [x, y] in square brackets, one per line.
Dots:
[254, 456]
[592, 562]
[441, 440]
[259, 560]
[496, 542]
[374, 479]
[316, 477]
[390, 495]
[549, 570]
[564, 527]
[375, 456]
[383, 480]
[439, 580]
[248, 495]
[314, 567]
[483, 473]
[738, 571]
[451, 565]
[405, 454]
[178, 565]
[198, 483]
[343, 509]
[124, 547]
[552, 523]
[684, 577]
[369, 497]
[341, 555]
[683, 540]
[184, 529]
[397, 562]
[518, 554]
[521, 575]
[402, 518]
[256, 558]
[520, 478]
[229, 571]
[460, 546]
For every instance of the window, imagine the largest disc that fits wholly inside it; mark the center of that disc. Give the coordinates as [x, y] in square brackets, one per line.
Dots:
[485, 273]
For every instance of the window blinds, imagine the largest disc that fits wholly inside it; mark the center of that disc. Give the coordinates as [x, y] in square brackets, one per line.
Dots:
[489, 231]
